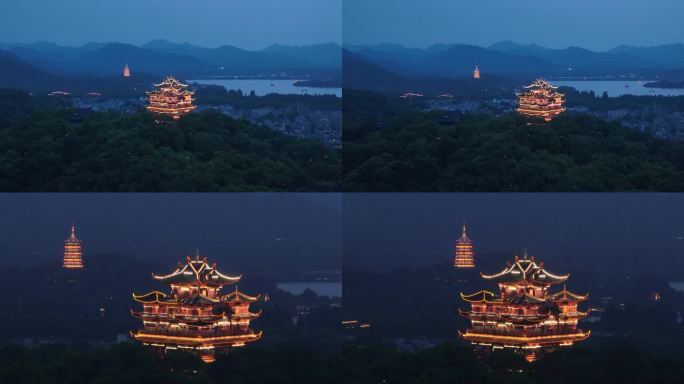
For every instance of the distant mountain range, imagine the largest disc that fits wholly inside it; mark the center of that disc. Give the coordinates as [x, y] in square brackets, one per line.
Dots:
[18, 73]
[362, 73]
[160, 57]
[508, 58]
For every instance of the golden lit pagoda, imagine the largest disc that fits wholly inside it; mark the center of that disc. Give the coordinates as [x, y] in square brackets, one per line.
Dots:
[476, 73]
[194, 315]
[172, 98]
[524, 316]
[541, 99]
[463, 255]
[73, 251]
[126, 71]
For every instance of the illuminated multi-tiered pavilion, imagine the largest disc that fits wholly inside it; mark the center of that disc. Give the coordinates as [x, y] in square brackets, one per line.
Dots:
[194, 315]
[73, 251]
[126, 71]
[524, 316]
[541, 99]
[171, 98]
[463, 253]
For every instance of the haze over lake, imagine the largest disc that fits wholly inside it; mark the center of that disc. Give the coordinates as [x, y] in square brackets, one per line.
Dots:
[263, 87]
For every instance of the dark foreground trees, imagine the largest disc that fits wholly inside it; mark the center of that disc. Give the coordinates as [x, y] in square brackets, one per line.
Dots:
[288, 363]
[614, 361]
[58, 150]
[391, 148]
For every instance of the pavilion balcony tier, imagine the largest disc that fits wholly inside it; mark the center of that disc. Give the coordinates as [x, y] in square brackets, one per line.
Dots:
[177, 325]
[174, 323]
[196, 341]
[166, 96]
[534, 110]
[548, 100]
[170, 91]
[539, 105]
[169, 109]
[174, 107]
[525, 340]
[190, 331]
[171, 102]
[501, 316]
[545, 106]
[506, 308]
[176, 317]
[523, 319]
[538, 330]
[538, 97]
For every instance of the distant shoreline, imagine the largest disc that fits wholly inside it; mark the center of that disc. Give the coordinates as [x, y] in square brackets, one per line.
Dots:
[334, 83]
[667, 84]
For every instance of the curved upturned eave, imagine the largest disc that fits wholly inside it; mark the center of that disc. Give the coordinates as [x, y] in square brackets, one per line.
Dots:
[483, 294]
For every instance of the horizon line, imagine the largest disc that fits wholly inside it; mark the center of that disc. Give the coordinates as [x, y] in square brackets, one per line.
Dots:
[346, 44]
[63, 45]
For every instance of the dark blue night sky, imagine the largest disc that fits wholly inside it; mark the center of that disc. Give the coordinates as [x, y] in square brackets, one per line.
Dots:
[641, 230]
[246, 230]
[249, 24]
[592, 24]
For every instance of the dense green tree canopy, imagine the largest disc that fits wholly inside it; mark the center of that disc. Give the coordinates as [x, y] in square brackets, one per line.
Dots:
[62, 150]
[391, 147]
[287, 363]
[613, 361]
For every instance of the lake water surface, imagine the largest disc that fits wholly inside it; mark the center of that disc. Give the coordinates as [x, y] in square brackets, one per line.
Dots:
[263, 87]
[616, 88]
[331, 289]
